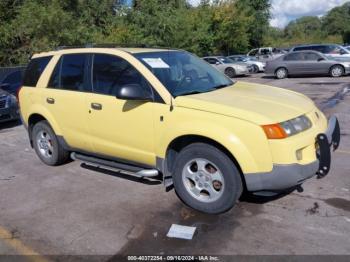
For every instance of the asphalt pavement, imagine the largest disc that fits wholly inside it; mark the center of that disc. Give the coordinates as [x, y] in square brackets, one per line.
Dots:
[72, 210]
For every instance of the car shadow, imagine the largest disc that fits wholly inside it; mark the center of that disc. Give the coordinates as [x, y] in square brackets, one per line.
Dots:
[10, 124]
[263, 199]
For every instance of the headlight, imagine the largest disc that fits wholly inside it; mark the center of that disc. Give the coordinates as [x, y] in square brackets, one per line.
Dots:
[296, 125]
[287, 128]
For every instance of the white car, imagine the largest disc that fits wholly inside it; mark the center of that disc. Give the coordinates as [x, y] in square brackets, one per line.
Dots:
[258, 66]
[229, 67]
[265, 54]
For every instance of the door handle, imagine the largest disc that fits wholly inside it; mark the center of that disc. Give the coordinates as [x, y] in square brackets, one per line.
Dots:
[50, 100]
[96, 106]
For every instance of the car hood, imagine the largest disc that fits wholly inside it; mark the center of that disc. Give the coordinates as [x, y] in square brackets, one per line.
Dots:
[256, 103]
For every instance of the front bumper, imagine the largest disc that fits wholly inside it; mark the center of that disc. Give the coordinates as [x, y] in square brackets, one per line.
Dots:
[347, 70]
[9, 113]
[283, 177]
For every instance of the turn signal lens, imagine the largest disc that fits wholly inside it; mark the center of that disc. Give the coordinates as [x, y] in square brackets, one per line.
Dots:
[274, 131]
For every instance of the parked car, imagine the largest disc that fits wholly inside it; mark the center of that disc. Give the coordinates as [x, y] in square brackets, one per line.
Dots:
[167, 115]
[258, 66]
[229, 67]
[265, 54]
[8, 102]
[307, 63]
[336, 51]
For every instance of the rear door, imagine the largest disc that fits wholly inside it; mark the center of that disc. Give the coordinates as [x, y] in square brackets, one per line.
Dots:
[293, 63]
[65, 99]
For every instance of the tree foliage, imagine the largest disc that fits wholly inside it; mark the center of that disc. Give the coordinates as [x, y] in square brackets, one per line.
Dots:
[213, 27]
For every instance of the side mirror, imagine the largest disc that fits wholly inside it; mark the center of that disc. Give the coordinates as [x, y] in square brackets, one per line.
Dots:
[320, 59]
[217, 63]
[133, 92]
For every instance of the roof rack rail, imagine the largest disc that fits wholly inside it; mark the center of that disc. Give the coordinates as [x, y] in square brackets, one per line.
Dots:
[110, 45]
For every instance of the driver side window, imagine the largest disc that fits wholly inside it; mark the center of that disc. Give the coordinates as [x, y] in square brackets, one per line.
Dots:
[110, 73]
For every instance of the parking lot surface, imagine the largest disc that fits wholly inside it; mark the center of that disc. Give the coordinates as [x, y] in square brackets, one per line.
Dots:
[72, 210]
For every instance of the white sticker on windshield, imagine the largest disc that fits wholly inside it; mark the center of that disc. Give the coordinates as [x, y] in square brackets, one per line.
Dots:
[156, 62]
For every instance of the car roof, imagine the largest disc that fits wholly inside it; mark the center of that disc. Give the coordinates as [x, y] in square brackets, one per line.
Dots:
[130, 50]
[310, 45]
[305, 51]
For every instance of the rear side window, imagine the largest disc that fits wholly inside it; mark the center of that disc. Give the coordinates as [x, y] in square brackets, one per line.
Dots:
[69, 73]
[292, 57]
[34, 70]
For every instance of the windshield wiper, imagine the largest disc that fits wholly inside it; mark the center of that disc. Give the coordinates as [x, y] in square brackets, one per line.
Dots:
[195, 92]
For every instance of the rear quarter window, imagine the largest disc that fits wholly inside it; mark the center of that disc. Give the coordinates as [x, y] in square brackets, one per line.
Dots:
[34, 70]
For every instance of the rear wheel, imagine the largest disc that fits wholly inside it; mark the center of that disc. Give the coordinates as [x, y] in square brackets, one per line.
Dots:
[337, 71]
[46, 145]
[281, 73]
[206, 179]
[230, 72]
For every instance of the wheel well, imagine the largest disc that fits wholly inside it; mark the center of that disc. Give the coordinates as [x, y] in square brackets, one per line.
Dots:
[181, 142]
[280, 68]
[337, 65]
[33, 119]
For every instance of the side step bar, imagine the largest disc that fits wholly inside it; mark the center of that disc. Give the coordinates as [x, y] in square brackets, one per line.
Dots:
[112, 164]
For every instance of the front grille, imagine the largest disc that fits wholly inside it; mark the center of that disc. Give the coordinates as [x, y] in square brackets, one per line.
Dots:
[2, 103]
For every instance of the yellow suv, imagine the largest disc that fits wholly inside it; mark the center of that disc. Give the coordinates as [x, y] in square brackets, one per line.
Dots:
[167, 114]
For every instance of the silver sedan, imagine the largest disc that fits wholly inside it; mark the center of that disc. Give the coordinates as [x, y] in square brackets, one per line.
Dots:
[229, 67]
[306, 63]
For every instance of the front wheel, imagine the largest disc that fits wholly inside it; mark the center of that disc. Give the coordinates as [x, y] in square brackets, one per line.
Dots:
[255, 69]
[206, 179]
[46, 145]
[230, 72]
[337, 71]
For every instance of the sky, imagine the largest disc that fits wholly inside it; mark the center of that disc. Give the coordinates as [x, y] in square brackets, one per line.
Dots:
[284, 11]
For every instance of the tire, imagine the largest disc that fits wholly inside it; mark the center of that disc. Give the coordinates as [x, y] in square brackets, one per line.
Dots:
[255, 69]
[336, 71]
[206, 179]
[230, 72]
[46, 145]
[281, 73]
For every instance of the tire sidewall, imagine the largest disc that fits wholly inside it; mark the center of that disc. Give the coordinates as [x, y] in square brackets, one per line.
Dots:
[233, 184]
[44, 126]
[230, 72]
[256, 69]
[281, 69]
[337, 66]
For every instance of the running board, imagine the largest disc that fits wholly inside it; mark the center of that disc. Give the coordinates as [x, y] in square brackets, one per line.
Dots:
[138, 171]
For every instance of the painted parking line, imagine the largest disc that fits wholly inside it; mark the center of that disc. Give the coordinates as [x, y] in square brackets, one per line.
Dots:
[19, 247]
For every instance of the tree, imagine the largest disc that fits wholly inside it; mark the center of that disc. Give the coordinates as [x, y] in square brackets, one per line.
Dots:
[259, 14]
[337, 22]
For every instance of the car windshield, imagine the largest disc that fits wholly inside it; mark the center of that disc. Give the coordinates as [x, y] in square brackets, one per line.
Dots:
[226, 60]
[250, 58]
[183, 73]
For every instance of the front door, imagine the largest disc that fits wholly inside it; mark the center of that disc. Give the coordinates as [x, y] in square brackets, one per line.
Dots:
[119, 128]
